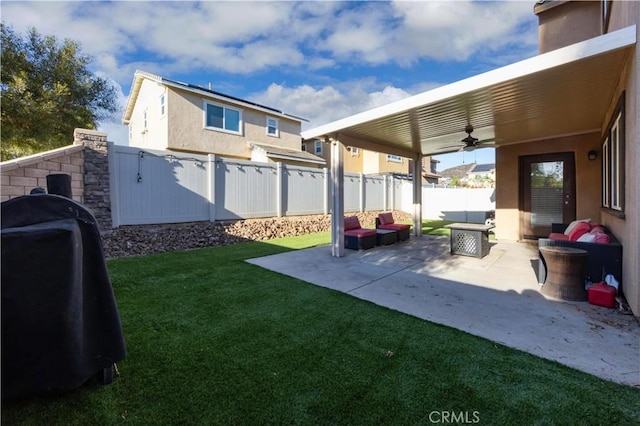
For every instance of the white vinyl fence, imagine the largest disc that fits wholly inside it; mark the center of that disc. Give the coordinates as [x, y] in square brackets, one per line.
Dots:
[152, 187]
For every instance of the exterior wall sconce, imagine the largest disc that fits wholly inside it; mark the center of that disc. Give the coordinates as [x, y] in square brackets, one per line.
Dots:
[592, 155]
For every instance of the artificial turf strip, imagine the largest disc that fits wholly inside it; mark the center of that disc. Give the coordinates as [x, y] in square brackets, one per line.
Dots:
[214, 340]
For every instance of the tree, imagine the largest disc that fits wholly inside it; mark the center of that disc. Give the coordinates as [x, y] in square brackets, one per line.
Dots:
[47, 91]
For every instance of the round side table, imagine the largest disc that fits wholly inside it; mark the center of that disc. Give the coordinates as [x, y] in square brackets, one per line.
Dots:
[565, 273]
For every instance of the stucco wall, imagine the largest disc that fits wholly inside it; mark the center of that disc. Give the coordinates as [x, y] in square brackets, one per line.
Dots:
[627, 229]
[588, 180]
[567, 23]
[155, 134]
[374, 162]
[187, 132]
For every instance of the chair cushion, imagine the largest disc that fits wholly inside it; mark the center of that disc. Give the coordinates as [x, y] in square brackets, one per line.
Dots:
[360, 232]
[385, 218]
[395, 226]
[558, 236]
[351, 222]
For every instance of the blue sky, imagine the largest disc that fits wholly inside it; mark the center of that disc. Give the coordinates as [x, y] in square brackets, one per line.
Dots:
[315, 59]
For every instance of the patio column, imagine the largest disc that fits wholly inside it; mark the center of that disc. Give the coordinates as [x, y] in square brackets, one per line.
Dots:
[337, 199]
[417, 196]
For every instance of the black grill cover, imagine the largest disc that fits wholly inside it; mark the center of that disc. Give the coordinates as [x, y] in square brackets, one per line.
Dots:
[60, 323]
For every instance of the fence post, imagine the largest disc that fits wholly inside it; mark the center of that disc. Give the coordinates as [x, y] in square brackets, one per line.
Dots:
[393, 193]
[114, 184]
[211, 186]
[362, 192]
[279, 189]
[385, 199]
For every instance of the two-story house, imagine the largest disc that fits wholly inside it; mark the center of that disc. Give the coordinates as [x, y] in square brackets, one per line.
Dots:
[165, 114]
[357, 160]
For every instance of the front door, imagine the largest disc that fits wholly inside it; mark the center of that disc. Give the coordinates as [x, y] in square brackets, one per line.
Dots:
[548, 192]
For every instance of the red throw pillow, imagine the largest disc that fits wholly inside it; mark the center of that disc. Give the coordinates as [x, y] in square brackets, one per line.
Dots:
[579, 230]
[598, 229]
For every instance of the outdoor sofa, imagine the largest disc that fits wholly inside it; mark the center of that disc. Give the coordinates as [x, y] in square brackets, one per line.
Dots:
[604, 251]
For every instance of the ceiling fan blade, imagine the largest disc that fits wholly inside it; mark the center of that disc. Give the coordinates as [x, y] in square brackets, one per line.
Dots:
[489, 141]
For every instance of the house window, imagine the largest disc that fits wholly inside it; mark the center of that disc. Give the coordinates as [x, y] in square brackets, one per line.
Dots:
[613, 162]
[394, 158]
[317, 147]
[144, 120]
[355, 152]
[162, 109]
[219, 117]
[272, 127]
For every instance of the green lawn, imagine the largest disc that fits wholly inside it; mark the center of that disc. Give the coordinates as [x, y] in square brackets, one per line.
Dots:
[212, 339]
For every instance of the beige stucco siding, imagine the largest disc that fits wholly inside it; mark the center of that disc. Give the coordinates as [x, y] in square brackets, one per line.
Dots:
[352, 160]
[255, 124]
[588, 179]
[188, 133]
[627, 229]
[374, 162]
[154, 136]
[568, 23]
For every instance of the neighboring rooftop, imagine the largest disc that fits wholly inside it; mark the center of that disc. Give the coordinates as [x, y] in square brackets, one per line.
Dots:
[483, 168]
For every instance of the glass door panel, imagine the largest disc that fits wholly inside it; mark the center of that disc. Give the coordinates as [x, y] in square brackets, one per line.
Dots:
[547, 192]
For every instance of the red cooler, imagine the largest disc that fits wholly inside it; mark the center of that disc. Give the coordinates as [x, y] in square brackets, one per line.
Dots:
[602, 294]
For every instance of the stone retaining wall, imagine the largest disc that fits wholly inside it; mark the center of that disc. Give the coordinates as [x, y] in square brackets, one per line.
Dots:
[146, 239]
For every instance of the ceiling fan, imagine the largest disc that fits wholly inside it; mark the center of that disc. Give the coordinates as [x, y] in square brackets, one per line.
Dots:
[470, 143]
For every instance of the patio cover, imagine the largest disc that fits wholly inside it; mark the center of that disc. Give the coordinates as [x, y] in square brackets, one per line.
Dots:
[559, 93]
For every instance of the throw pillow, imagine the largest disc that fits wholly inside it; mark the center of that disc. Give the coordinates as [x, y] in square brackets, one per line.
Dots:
[587, 238]
[574, 224]
[579, 230]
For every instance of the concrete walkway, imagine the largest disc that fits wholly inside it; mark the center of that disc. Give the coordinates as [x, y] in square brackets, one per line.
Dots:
[497, 297]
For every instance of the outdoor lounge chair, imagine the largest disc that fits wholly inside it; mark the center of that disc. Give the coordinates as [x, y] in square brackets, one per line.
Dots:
[356, 237]
[385, 221]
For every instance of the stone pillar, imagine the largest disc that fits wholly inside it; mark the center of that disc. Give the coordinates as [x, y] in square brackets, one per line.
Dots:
[97, 192]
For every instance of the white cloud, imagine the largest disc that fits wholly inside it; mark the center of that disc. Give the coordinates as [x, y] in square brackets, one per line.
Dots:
[456, 30]
[329, 103]
[336, 43]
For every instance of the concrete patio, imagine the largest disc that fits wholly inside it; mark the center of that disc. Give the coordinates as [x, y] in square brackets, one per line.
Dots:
[496, 297]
